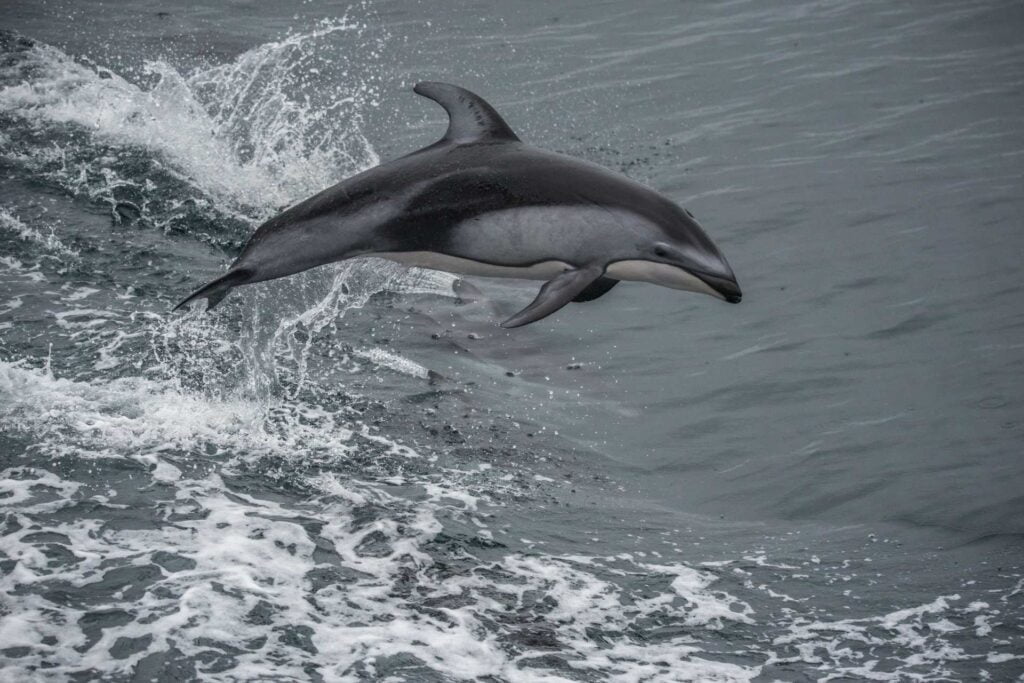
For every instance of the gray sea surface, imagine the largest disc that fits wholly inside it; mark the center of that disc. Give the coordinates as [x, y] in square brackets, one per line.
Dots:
[353, 474]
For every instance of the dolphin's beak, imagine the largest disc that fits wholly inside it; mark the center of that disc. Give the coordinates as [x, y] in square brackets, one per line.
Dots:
[725, 287]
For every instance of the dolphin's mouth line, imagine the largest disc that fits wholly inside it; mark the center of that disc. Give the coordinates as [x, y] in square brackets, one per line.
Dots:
[726, 288]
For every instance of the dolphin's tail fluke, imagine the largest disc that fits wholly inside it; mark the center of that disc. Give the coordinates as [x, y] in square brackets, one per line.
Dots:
[215, 292]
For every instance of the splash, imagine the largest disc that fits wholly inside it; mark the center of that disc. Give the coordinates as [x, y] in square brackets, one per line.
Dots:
[209, 153]
[246, 137]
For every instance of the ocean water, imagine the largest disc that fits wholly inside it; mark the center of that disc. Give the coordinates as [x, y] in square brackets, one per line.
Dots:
[353, 474]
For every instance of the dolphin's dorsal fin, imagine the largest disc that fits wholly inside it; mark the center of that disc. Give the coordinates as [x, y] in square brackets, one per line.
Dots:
[470, 118]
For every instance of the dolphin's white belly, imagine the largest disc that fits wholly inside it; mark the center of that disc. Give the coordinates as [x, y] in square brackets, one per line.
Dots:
[463, 266]
[659, 274]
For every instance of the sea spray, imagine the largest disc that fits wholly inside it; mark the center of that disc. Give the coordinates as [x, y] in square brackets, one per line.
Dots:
[246, 136]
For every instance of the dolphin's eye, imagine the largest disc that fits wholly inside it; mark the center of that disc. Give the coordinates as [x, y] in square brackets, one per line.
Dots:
[660, 251]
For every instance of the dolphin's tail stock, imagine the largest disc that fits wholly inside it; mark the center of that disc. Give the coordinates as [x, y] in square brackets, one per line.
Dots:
[215, 291]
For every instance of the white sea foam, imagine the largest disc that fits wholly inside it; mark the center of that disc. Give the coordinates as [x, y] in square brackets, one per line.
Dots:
[134, 414]
[705, 608]
[14, 267]
[19, 484]
[350, 579]
[10, 223]
[233, 569]
[393, 361]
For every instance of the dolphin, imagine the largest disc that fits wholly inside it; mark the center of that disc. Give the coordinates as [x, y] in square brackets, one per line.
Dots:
[479, 201]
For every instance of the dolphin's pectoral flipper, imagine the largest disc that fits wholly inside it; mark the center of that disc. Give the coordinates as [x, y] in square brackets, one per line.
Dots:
[215, 291]
[554, 294]
[470, 118]
[595, 289]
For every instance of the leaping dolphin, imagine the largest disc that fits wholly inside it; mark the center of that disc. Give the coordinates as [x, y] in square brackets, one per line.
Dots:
[481, 202]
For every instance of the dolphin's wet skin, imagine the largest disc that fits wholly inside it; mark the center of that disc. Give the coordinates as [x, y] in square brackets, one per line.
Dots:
[353, 473]
[481, 202]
